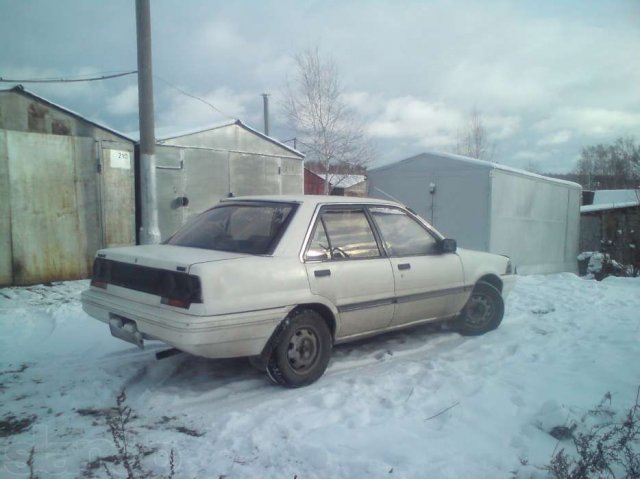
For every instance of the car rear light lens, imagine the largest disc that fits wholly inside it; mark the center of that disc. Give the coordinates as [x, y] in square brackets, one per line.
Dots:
[101, 272]
[176, 302]
[179, 289]
[98, 283]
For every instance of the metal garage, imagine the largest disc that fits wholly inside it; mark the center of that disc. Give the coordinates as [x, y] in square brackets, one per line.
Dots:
[486, 206]
[198, 168]
[68, 185]
[66, 189]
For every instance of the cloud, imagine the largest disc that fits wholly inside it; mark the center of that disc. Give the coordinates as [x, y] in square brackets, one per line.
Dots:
[501, 127]
[413, 70]
[182, 111]
[591, 121]
[557, 138]
[125, 102]
[221, 36]
[530, 155]
[410, 117]
[428, 124]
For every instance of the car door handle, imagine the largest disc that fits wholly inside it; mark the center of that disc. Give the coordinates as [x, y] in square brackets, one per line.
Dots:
[404, 266]
[322, 273]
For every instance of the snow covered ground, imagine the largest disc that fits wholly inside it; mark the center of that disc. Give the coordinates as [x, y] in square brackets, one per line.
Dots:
[419, 403]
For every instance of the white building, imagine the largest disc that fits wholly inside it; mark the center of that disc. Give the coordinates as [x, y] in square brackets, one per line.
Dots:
[533, 219]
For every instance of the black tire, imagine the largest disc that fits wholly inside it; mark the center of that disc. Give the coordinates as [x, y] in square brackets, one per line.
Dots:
[483, 312]
[302, 353]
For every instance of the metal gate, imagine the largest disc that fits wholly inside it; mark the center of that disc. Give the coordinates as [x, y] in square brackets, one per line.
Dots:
[58, 206]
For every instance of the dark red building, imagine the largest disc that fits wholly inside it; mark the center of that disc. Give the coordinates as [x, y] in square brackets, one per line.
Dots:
[313, 183]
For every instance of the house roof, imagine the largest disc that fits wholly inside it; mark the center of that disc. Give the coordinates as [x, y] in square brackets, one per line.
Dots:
[23, 91]
[169, 133]
[611, 200]
[475, 162]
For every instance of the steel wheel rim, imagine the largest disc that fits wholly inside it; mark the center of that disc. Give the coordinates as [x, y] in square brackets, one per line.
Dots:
[480, 310]
[303, 350]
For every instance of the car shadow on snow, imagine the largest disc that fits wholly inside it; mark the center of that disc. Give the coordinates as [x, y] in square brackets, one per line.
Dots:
[188, 373]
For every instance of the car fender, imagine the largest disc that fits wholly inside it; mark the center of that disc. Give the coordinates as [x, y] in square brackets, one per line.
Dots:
[478, 265]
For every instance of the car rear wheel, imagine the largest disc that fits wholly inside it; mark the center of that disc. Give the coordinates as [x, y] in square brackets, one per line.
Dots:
[302, 353]
[483, 312]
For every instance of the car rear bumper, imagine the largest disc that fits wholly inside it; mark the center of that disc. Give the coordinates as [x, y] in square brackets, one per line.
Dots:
[218, 336]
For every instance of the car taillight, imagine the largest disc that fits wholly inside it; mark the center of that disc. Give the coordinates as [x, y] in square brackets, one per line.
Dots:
[179, 289]
[98, 284]
[100, 274]
[176, 302]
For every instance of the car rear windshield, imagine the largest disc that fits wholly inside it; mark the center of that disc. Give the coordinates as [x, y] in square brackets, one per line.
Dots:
[238, 227]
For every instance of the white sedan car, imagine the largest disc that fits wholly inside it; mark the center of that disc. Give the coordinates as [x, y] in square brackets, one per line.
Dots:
[281, 279]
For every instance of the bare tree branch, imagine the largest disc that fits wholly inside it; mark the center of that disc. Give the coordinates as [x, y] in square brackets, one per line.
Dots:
[473, 140]
[328, 130]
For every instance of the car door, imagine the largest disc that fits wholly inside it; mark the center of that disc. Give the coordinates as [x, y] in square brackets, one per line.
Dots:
[429, 284]
[346, 264]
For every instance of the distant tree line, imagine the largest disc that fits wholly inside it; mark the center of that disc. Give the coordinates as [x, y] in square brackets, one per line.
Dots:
[612, 166]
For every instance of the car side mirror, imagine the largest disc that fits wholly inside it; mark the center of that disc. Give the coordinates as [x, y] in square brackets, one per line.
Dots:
[448, 245]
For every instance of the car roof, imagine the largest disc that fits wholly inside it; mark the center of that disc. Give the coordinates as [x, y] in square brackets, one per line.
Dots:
[313, 199]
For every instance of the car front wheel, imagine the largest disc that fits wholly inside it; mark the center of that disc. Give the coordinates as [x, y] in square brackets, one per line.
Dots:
[302, 353]
[483, 312]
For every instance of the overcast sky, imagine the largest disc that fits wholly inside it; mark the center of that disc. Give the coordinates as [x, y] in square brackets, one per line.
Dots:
[548, 77]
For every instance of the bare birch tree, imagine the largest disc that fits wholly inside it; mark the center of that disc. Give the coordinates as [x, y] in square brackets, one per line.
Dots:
[327, 130]
[473, 140]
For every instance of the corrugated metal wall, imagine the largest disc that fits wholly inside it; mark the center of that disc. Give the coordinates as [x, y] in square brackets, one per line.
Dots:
[535, 222]
[63, 195]
[117, 193]
[57, 209]
[47, 231]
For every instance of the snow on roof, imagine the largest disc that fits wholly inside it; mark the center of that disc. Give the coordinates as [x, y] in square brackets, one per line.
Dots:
[481, 163]
[345, 181]
[611, 200]
[23, 91]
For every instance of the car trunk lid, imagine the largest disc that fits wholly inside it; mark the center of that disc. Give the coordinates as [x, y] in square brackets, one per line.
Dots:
[166, 257]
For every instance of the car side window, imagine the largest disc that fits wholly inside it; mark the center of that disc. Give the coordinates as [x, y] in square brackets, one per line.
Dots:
[341, 234]
[319, 246]
[401, 234]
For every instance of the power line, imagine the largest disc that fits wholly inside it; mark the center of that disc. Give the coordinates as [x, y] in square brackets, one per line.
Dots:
[109, 76]
[67, 80]
[195, 97]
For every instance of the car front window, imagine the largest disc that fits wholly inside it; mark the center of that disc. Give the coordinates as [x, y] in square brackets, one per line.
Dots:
[242, 228]
[341, 234]
[401, 234]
